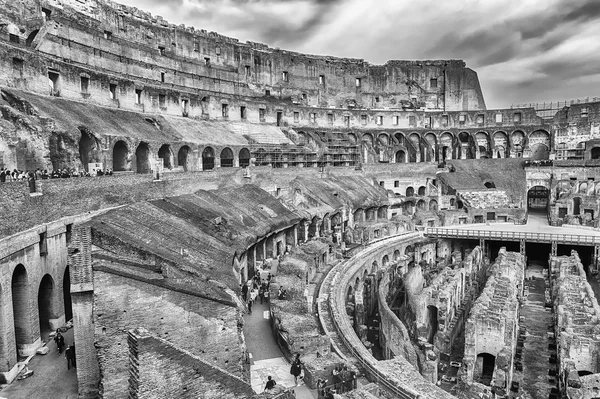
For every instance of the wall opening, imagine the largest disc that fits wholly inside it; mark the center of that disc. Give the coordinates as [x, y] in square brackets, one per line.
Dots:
[45, 304]
[142, 158]
[183, 157]
[226, 158]
[432, 327]
[410, 192]
[576, 206]
[67, 295]
[244, 158]
[484, 368]
[422, 191]
[167, 156]
[537, 197]
[21, 309]
[121, 161]
[208, 158]
[88, 148]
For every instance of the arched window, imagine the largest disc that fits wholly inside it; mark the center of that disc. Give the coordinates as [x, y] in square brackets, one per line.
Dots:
[121, 161]
[142, 158]
[166, 155]
[244, 158]
[184, 157]
[208, 158]
[226, 158]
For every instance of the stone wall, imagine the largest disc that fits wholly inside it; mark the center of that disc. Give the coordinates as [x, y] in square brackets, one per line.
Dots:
[577, 317]
[492, 325]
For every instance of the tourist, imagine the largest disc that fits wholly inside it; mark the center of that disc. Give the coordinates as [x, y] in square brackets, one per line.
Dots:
[69, 357]
[296, 368]
[253, 294]
[261, 293]
[59, 340]
[250, 305]
[270, 384]
[245, 292]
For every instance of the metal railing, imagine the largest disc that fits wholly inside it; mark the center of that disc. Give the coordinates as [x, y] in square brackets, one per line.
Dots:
[573, 239]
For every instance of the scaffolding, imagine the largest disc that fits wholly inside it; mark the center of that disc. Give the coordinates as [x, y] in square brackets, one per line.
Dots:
[548, 110]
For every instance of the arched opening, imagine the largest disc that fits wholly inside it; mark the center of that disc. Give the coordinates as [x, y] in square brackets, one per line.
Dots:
[421, 205]
[88, 148]
[367, 138]
[582, 373]
[410, 191]
[382, 212]
[31, 37]
[352, 138]
[432, 326]
[385, 261]
[595, 154]
[421, 191]
[166, 155]
[537, 197]
[374, 267]
[396, 255]
[383, 139]
[433, 205]
[408, 208]
[446, 144]
[576, 206]
[359, 215]
[400, 156]
[208, 158]
[371, 214]
[489, 184]
[227, 158]
[121, 160]
[67, 295]
[415, 139]
[465, 148]
[431, 151]
[21, 309]
[312, 228]
[45, 304]
[483, 145]
[484, 368]
[500, 144]
[244, 158]
[142, 158]
[540, 152]
[184, 157]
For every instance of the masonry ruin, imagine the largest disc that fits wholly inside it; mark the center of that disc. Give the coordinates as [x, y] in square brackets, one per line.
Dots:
[435, 247]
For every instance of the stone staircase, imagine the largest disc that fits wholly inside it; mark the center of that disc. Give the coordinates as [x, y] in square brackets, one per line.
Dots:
[263, 134]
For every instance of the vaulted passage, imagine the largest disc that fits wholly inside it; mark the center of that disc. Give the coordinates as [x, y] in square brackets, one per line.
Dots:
[67, 295]
[142, 158]
[21, 308]
[226, 158]
[484, 368]
[167, 156]
[45, 304]
[121, 161]
[88, 149]
[183, 157]
[208, 159]
[537, 197]
[244, 158]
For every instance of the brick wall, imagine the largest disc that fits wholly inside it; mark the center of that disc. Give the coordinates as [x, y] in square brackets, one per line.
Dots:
[205, 328]
[159, 369]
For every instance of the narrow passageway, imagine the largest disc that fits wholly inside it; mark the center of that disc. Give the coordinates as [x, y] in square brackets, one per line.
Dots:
[535, 324]
[266, 359]
[50, 379]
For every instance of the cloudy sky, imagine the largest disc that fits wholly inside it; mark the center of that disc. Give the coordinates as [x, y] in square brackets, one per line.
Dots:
[523, 50]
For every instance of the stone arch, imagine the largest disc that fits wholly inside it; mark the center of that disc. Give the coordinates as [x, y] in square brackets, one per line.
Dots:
[367, 138]
[540, 151]
[518, 142]
[226, 158]
[352, 138]
[385, 261]
[359, 215]
[538, 197]
[408, 207]
[302, 138]
[208, 158]
[312, 227]
[422, 191]
[89, 148]
[383, 139]
[184, 157]
[244, 157]
[400, 139]
[483, 145]
[142, 158]
[382, 212]
[31, 37]
[166, 154]
[465, 145]
[374, 267]
[46, 304]
[595, 153]
[21, 308]
[421, 205]
[500, 145]
[121, 157]
[410, 191]
[415, 139]
[396, 255]
[400, 156]
[431, 153]
[433, 205]
[486, 362]
[576, 206]
[446, 146]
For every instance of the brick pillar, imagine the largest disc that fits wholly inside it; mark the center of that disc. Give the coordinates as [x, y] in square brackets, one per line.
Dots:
[80, 267]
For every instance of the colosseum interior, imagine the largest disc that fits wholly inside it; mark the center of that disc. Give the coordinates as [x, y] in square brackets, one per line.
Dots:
[434, 247]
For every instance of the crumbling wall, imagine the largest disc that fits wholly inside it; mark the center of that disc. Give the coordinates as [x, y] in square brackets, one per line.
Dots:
[492, 326]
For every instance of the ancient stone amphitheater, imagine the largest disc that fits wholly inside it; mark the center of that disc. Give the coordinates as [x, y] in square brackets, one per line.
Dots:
[434, 246]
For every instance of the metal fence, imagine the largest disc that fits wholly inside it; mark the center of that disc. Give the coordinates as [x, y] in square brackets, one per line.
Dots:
[572, 239]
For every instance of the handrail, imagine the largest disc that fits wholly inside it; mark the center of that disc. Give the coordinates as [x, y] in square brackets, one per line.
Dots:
[512, 235]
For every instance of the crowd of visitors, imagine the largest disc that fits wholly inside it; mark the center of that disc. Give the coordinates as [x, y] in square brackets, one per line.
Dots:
[256, 288]
[342, 380]
[6, 175]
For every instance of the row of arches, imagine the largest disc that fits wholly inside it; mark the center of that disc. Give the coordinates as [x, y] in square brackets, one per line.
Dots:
[53, 301]
[122, 158]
